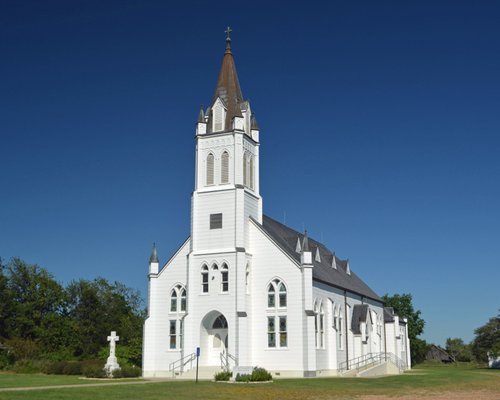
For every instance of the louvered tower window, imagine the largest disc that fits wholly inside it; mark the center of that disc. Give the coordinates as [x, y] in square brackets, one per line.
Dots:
[218, 115]
[224, 177]
[251, 172]
[245, 169]
[210, 169]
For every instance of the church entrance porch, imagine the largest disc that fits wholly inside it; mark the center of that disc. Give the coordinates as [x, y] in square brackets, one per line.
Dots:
[213, 338]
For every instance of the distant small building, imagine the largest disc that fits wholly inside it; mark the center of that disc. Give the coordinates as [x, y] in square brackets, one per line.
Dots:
[436, 353]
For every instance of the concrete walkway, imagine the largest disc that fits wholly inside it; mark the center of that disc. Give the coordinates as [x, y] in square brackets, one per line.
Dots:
[84, 385]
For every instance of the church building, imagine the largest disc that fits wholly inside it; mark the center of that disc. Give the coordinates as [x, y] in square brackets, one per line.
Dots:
[250, 291]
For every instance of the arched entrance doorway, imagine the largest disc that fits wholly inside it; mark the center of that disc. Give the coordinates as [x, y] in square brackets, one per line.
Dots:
[214, 338]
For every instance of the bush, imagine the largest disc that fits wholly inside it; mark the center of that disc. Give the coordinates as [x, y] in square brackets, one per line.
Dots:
[242, 378]
[260, 375]
[55, 368]
[257, 375]
[72, 368]
[131, 372]
[222, 376]
[92, 371]
[29, 366]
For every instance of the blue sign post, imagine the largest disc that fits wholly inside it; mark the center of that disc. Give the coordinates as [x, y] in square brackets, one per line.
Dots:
[197, 358]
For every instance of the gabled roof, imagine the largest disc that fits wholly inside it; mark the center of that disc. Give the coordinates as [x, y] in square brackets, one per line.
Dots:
[286, 238]
[359, 314]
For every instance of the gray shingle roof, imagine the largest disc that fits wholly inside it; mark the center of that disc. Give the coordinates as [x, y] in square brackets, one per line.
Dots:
[323, 271]
[359, 313]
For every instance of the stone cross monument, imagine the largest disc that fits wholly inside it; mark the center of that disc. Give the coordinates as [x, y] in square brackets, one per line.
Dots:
[112, 362]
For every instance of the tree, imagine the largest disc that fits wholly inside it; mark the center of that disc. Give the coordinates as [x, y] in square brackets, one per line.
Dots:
[35, 296]
[5, 303]
[487, 340]
[458, 349]
[98, 307]
[403, 306]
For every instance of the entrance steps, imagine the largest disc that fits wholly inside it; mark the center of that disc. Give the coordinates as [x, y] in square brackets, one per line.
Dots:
[205, 373]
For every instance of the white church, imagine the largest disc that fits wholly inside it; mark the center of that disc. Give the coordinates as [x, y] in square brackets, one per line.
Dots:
[249, 291]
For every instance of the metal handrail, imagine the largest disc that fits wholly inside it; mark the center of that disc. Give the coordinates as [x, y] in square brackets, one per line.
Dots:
[225, 356]
[370, 359]
[181, 362]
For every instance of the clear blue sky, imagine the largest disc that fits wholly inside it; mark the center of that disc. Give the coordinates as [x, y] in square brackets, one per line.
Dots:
[380, 131]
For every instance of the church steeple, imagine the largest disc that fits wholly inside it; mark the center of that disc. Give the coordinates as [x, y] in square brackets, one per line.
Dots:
[228, 88]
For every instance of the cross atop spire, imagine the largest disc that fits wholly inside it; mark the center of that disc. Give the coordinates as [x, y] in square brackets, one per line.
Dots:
[228, 32]
[228, 39]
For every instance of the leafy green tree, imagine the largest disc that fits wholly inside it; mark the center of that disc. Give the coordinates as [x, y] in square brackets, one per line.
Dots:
[36, 298]
[98, 307]
[403, 306]
[5, 303]
[458, 349]
[487, 340]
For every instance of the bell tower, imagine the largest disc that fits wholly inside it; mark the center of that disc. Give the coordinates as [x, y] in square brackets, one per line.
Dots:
[227, 166]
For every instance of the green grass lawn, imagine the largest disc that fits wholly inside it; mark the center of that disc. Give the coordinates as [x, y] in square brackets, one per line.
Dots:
[427, 379]
[9, 380]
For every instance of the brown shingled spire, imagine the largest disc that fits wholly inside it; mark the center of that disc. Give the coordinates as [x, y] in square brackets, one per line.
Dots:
[228, 86]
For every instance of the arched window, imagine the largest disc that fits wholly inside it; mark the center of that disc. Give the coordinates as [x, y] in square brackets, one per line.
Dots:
[321, 327]
[245, 175]
[316, 324]
[247, 279]
[271, 296]
[178, 299]
[220, 322]
[341, 329]
[183, 300]
[204, 279]
[210, 169]
[276, 287]
[224, 174]
[173, 300]
[282, 295]
[277, 333]
[224, 278]
[251, 174]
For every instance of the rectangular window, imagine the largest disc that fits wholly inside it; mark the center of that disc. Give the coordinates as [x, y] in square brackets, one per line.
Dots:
[283, 332]
[225, 281]
[204, 283]
[341, 330]
[181, 332]
[183, 303]
[321, 331]
[173, 303]
[173, 334]
[215, 221]
[271, 299]
[271, 332]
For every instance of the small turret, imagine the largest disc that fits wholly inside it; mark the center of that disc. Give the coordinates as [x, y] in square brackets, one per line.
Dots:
[153, 261]
[201, 125]
[305, 255]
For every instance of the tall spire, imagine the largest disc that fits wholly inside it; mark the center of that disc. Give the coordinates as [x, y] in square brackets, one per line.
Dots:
[228, 86]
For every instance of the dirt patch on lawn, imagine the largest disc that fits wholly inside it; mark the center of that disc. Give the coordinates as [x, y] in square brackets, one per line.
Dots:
[466, 395]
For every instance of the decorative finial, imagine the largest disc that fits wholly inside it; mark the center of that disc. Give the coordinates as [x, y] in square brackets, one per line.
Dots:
[228, 38]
